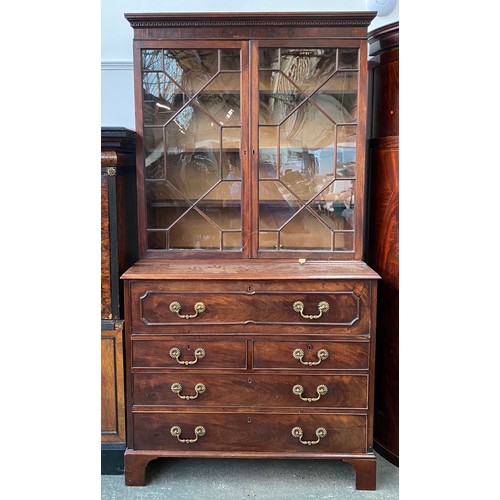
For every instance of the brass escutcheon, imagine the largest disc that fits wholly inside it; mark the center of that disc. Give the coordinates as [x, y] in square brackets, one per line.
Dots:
[199, 307]
[297, 432]
[176, 432]
[176, 388]
[299, 354]
[323, 306]
[175, 353]
[321, 390]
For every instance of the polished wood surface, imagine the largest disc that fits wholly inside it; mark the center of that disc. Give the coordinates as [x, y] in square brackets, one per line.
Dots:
[112, 383]
[383, 248]
[244, 337]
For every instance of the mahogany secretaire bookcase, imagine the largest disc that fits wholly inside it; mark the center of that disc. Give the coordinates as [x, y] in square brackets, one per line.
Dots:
[250, 315]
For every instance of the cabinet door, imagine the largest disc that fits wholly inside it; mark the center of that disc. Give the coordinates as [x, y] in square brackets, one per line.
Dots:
[195, 128]
[310, 152]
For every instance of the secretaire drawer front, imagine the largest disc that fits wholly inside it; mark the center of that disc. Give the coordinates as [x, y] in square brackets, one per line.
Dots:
[250, 432]
[313, 355]
[269, 391]
[188, 353]
[342, 307]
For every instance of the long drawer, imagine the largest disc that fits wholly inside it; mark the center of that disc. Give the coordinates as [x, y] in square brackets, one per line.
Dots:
[203, 389]
[246, 432]
[184, 307]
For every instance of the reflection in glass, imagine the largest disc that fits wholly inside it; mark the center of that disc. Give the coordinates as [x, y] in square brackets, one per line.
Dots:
[348, 58]
[192, 143]
[310, 98]
[194, 232]
[230, 60]
[221, 99]
[305, 232]
[346, 152]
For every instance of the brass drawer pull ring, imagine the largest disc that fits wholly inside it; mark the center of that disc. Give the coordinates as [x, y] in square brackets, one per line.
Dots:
[322, 355]
[176, 432]
[198, 388]
[321, 390]
[199, 307]
[175, 353]
[322, 307]
[297, 432]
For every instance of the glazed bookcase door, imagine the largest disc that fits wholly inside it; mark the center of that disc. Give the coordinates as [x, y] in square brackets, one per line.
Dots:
[306, 124]
[193, 103]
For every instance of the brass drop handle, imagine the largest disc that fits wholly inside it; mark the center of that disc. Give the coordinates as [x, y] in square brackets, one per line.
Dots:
[176, 432]
[322, 355]
[175, 353]
[323, 306]
[297, 432]
[321, 390]
[198, 389]
[199, 307]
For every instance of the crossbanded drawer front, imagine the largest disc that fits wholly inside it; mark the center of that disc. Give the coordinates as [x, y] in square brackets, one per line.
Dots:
[250, 432]
[189, 354]
[228, 390]
[344, 309]
[311, 355]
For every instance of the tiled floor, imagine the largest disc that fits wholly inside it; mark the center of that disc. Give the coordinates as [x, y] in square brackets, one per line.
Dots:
[235, 479]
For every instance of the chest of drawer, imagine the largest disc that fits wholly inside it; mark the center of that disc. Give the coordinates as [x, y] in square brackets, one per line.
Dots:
[250, 432]
[229, 390]
[182, 307]
[311, 355]
[189, 353]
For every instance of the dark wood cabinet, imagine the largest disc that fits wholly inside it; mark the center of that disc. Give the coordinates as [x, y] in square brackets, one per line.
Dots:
[118, 252]
[383, 240]
[250, 316]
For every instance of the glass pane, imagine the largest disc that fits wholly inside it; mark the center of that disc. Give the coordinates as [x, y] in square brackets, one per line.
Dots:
[276, 205]
[269, 58]
[306, 232]
[346, 151]
[157, 240]
[268, 152]
[231, 147]
[337, 205]
[231, 240]
[221, 99]
[194, 232]
[338, 97]
[222, 205]
[348, 58]
[277, 97]
[193, 158]
[191, 69]
[307, 140]
[165, 205]
[152, 59]
[154, 159]
[230, 59]
[268, 241]
[308, 68]
[344, 242]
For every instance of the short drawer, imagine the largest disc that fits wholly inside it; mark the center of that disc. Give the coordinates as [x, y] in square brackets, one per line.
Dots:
[189, 353]
[250, 432]
[318, 354]
[337, 307]
[292, 391]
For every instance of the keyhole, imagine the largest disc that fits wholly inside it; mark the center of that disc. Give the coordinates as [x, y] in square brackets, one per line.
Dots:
[309, 347]
[249, 420]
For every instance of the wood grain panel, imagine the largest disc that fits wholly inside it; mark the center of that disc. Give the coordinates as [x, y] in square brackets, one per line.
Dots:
[250, 432]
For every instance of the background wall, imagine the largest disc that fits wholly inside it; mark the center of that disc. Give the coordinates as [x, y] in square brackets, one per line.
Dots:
[117, 92]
